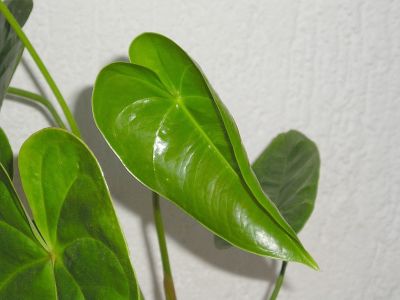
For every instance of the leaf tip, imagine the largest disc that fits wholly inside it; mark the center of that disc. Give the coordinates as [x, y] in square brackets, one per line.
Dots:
[309, 261]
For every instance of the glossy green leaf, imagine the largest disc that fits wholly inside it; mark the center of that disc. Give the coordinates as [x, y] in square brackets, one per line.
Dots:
[172, 132]
[6, 155]
[288, 170]
[78, 250]
[10, 46]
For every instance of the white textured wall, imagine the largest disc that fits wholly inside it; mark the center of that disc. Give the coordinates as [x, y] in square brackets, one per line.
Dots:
[330, 68]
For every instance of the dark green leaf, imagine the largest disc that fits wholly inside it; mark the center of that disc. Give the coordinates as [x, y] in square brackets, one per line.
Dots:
[25, 264]
[10, 46]
[172, 132]
[288, 170]
[6, 155]
[80, 252]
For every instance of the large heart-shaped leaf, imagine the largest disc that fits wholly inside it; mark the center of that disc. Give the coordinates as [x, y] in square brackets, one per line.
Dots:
[10, 46]
[288, 170]
[6, 155]
[77, 250]
[172, 132]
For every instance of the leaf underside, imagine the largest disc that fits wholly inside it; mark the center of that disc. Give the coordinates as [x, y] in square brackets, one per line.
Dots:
[171, 131]
[10, 46]
[76, 250]
[288, 171]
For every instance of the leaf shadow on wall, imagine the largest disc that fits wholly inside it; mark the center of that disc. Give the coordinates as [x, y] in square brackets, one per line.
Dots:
[179, 226]
[34, 105]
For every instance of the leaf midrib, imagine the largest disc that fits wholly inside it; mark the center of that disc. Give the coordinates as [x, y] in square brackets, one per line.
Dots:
[289, 179]
[181, 105]
[186, 112]
[282, 182]
[175, 100]
[216, 150]
[206, 137]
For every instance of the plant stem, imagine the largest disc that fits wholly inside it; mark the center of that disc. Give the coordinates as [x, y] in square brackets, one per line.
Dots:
[38, 99]
[35, 56]
[168, 280]
[279, 281]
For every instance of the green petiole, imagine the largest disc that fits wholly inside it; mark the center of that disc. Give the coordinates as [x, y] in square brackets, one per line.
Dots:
[168, 280]
[38, 99]
[35, 56]
[279, 281]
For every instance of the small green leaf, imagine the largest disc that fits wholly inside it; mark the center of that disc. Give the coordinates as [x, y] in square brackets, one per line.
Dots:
[6, 155]
[10, 46]
[172, 132]
[288, 170]
[80, 252]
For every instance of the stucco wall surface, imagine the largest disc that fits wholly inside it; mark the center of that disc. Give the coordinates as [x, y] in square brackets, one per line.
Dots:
[328, 68]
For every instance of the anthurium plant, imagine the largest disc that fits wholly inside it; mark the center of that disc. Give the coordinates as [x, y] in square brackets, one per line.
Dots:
[167, 125]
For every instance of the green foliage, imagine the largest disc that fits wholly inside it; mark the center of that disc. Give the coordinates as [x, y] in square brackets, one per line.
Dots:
[288, 170]
[76, 250]
[10, 46]
[172, 132]
[6, 155]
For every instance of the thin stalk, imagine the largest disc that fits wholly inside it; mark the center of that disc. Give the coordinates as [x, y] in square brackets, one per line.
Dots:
[37, 99]
[168, 280]
[279, 281]
[35, 56]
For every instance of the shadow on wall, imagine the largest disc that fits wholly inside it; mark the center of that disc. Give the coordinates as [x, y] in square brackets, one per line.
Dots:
[180, 227]
[34, 105]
